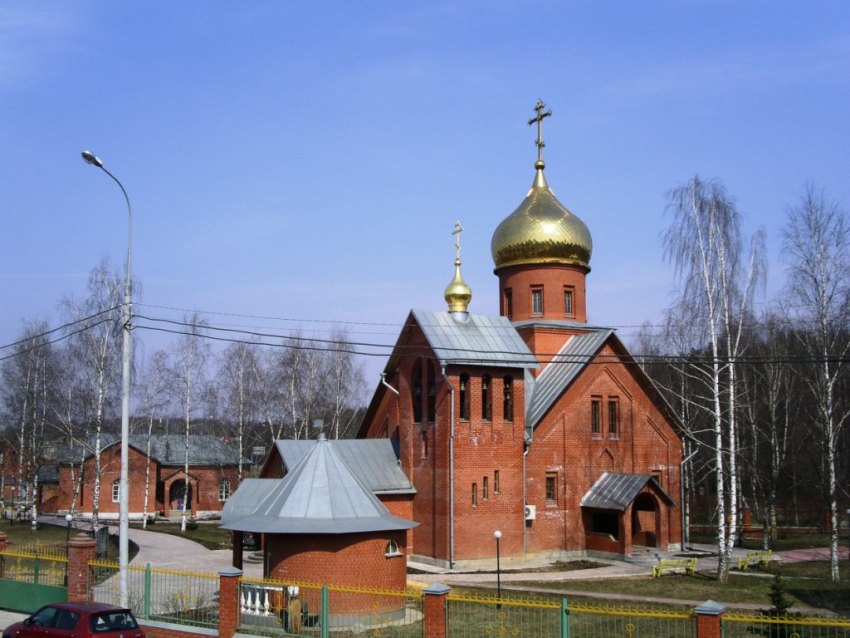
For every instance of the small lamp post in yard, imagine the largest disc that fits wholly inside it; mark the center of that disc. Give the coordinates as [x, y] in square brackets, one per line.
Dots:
[68, 519]
[126, 317]
[498, 535]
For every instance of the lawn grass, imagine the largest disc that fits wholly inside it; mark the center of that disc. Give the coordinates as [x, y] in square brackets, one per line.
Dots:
[21, 534]
[806, 584]
[208, 534]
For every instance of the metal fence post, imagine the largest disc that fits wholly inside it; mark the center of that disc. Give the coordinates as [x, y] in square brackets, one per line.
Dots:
[147, 590]
[565, 619]
[325, 614]
[36, 569]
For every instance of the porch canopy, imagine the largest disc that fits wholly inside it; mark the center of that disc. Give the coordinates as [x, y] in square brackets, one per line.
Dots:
[617, 491]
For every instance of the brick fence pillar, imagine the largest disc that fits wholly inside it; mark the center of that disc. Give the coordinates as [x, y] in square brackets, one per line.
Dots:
[436, 618]
[81, 551]
[228, 601]
[710, 619]
[2, 547]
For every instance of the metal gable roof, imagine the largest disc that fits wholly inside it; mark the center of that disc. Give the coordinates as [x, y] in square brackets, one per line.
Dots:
[320, 495]
[616, 491]
[476, 340]
[373, 462]
[168, 449]
[561, 371]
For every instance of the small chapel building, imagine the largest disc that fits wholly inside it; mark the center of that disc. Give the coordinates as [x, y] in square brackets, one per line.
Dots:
[531, 422]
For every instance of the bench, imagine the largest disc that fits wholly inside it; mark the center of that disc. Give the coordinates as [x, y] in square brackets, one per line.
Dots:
[674, 566]
[762, 558]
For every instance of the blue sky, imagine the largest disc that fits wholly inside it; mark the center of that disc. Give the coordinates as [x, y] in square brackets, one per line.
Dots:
[308, 160]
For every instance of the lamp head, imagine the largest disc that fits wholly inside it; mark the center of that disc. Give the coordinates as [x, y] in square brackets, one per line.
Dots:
[497, 534]
[92, 159]
[68, 518]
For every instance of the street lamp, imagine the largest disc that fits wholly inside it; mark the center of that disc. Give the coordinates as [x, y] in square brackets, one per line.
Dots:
[498, 535]
[126, 315]
[68, 518]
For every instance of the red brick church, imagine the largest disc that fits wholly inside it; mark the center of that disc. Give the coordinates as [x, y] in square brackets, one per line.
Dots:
[531, 422]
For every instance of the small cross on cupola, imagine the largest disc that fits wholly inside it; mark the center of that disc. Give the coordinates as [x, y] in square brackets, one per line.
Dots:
[538, 119]
[457, 293]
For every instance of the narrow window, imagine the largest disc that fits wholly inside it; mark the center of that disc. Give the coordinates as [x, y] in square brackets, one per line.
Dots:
[417, 391]
[486, 397]
[223, 490]
[475, 495]
[508, 393]
[485, 489]
[116, 491]
[464, 397]
[495, 481]
[551, 487]
[537, 300]
[595, 409]
[509, 303]
[613, 417]
[432, 394]
[568, 302]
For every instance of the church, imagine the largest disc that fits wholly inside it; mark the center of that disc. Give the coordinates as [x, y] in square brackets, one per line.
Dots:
[530, 421]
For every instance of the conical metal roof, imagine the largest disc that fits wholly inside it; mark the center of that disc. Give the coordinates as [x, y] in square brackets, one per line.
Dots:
[320, 495]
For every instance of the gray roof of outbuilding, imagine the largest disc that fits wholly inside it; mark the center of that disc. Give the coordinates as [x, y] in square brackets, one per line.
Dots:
[565, 366]
[373, 462]
[476, 340]
[320, 495]
[616, 491]
[205, 450]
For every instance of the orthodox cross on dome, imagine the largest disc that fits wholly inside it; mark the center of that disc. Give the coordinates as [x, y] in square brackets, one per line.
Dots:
[539, 120]
[456, 232]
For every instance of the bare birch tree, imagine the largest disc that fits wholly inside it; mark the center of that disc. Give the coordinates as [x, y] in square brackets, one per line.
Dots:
[189, 370]
[704, 244]
[154, 403]
[238, 381]
[95, 351]
[817, 246]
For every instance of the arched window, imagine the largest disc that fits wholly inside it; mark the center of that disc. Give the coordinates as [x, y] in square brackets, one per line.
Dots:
[223, 490]
[392, 550]
[464, 397]
[508, 394]
[116, 491]
[486, 397]
[417, 391]
[432, 393]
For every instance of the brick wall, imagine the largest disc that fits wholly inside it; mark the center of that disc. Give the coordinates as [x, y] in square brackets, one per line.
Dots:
[553, 278]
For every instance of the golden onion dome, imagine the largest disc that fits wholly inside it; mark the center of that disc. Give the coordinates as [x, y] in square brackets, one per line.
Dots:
[541, 231]
[458, 294]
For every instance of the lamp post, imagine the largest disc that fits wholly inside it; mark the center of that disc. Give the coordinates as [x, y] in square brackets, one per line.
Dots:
[498, 535]
[126, 315]
[68, 519]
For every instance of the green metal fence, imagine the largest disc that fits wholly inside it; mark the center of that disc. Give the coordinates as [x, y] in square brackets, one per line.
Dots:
[275, 607]
[476, 615]
[740, 625]
[178, 596]
[31, 577]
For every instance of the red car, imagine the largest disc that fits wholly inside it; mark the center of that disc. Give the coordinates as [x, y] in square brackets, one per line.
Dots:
[77, 620]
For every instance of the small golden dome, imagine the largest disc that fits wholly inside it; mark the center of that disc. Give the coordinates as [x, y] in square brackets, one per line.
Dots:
[541, 231]
[458, 294]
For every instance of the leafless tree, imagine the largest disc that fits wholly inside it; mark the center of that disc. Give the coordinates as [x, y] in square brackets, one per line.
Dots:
[154, 402]
[189, 371]
[817, 246]
[238, 383]
[95, 351]
[704, 244]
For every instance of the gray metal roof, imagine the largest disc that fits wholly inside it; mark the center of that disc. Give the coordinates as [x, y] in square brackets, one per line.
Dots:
[320, 495]
[205, 450]
[616, 491]
[372, 461]
[561, 371]
[244, 500]
[477, 340]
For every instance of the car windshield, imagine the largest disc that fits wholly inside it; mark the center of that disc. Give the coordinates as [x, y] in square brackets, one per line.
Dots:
[112, 621]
